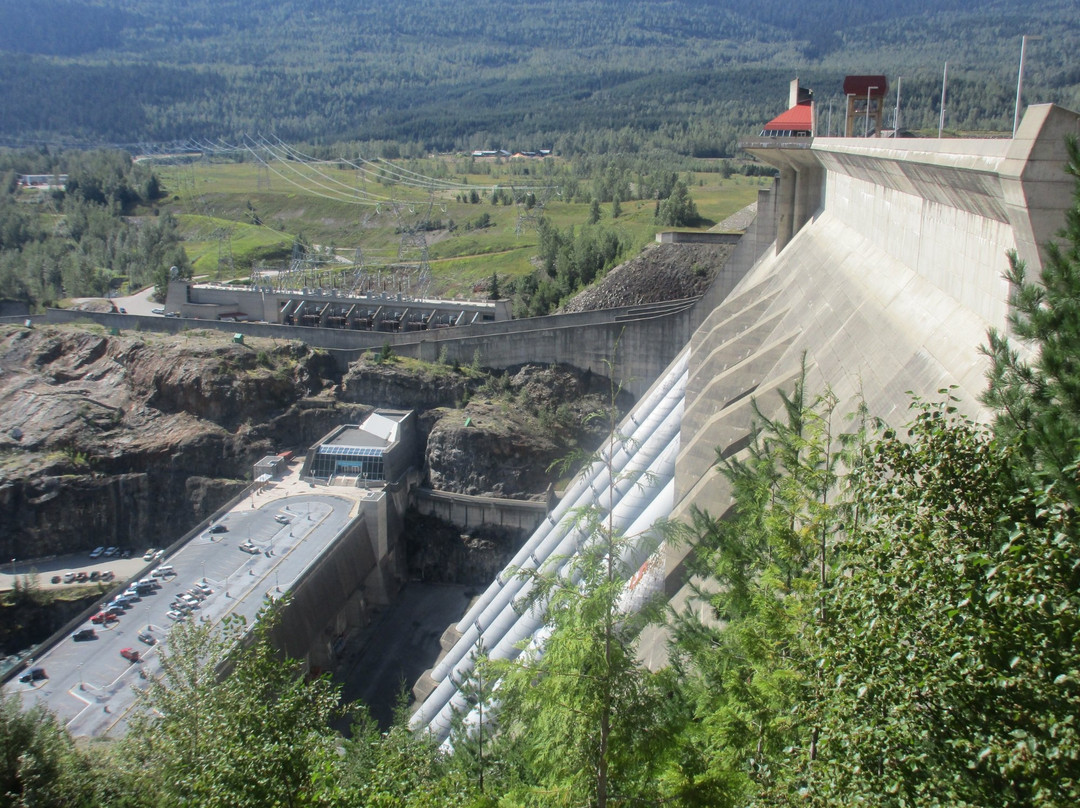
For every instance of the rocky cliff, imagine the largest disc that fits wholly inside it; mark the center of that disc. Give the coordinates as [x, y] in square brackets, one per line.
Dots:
[131, 439]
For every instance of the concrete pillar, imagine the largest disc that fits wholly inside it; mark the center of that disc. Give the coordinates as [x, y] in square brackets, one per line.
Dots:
[807, 195]
[785, 207]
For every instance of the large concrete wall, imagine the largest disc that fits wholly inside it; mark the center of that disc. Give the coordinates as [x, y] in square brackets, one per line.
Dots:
[887, 286]
[648, 337]
[466, 511]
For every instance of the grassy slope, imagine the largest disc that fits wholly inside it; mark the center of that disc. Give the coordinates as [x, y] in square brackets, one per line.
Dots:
[217, 202]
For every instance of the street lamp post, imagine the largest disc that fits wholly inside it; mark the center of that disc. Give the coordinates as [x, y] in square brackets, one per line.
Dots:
[866, 120]
[896, 114]
[944, 86]
[849, 113]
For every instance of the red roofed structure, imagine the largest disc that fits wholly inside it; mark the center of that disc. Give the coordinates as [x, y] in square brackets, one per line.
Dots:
[798, 120]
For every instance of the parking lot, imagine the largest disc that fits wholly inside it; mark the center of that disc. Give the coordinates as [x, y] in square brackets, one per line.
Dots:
[253, 553]
[41, 571]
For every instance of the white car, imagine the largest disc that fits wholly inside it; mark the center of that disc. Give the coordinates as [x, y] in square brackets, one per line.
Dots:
[97, 552]
[174, 615]
[151, 554]
[282, 518]
[164, 571]
[158, 310]
[204, 588]
[111, 551]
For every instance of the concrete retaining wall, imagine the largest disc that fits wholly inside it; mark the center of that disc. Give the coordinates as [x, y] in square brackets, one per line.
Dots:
[466, 511]
[680, 237]
[328, 599]
[648, 337]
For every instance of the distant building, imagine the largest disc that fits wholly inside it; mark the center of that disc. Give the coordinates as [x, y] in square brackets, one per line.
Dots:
[42, 181]
[376, 452]
[798, 120]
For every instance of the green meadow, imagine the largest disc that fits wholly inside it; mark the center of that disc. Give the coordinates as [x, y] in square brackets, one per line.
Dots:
[239, 215]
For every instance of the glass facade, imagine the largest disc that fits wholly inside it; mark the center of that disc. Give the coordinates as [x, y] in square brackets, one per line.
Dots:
[364, 462]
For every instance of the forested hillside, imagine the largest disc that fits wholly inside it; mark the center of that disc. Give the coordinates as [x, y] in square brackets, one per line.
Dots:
[689, 76]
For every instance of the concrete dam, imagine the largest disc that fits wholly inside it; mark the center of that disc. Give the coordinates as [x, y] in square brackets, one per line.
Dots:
[878, 261]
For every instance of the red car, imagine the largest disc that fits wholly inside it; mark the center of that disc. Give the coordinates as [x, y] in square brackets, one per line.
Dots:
[130, 654]
[103, 617]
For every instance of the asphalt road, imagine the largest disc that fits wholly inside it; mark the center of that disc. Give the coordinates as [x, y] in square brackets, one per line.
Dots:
[91, 686]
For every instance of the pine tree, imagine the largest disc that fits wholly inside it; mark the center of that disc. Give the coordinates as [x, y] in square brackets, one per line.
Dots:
[1036, 392]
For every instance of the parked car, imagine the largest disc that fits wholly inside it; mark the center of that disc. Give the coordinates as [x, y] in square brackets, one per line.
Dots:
[34, 675]
[175, 615]
[191, 600]
[82, 577]
[104, 616]
[248, 547]
[164, 571]
[130, 654]
[111, 551]
[204, 588]
[84, 634]
[147, 637]
[282, 518]
[55, 579]
[107, 575]
[95, 575]
[119, 602]
[158, 310]
[153, 583]
[151, 554]
[97, 552]
[219, 529]
[69, 577]
[123, 310]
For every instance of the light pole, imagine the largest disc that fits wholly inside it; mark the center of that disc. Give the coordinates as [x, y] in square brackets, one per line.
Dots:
[896, 114]
[79, 666]
[1020, 79]
[849, 113]
[204, 572]
[866, 120]
[944, 85]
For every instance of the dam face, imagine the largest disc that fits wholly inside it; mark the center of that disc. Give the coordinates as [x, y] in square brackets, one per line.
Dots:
[877, 262]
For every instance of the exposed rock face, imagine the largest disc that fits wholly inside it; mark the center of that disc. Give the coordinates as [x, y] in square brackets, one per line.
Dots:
[112, 440]
[130, 440]
[403, 387]
[440, 553]
[504, 444]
